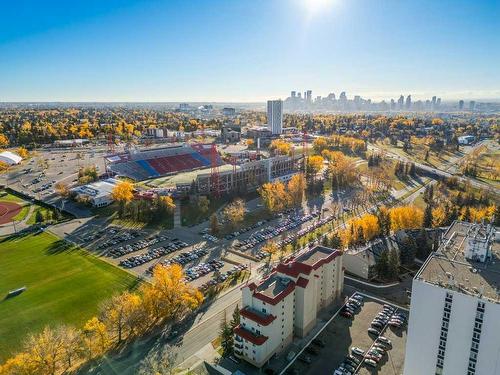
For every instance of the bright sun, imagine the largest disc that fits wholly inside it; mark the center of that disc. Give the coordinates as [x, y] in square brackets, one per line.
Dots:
[314, 6]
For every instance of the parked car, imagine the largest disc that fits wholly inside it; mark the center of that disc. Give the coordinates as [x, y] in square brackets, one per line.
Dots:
[357, 351]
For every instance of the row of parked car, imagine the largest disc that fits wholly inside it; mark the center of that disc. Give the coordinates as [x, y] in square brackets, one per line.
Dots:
[269, 232]
[137, 260]
[118, 236]
[371, 357]
[352, 306]
[202, 269]
[222, 277]
[390, 316]
[130, 248]
[306, 230]
[182, 258]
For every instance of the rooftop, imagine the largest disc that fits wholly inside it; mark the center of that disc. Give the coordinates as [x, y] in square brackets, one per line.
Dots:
[449, 268]
[274, 288]
[314, 256]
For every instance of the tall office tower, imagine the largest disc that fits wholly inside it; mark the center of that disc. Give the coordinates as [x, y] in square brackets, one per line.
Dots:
[427, 105]
[461, 105]
[433, 103]
[292, 95]
[309, 96]
[438, 103]
[275, 116]
[408, 102]
[401, 102]
[393, 105]
[472, 105]
[455, 306]
[299, 95]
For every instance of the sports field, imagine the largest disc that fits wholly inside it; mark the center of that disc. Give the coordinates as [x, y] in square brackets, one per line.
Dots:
[64, 285]
[12, 208]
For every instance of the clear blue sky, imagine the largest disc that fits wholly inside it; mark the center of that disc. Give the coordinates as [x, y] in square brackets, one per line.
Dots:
[247, 50]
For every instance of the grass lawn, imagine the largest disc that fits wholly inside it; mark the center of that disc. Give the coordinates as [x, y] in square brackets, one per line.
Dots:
[64, 285]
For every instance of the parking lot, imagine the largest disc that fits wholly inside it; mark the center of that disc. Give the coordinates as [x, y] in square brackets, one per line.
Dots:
[336, 341]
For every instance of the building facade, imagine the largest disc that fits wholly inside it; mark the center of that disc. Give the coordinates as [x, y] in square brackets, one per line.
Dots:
[275, 116]
[454, 322]
[286, 303]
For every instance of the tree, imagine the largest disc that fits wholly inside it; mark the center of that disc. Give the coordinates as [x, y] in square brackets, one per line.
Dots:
[226, 337]
[406, 217]
[280, 147]
[169, 204]
[159, 362]
[270, 248]
[169, 295]
[62, 189]
[39, 216]
[234, 213]
[203, 204]
[4, 141]
[123, 193]
[314, 165]
[22, 152]
[427, 221]
[214, 225]
[296, 188]
[274, 196]
[46, 351]
[382, 265]
[95, 338]
[236, 318]
[393, 264]
[384, 220]
[120, 314]
[21, 364]
[408, 250]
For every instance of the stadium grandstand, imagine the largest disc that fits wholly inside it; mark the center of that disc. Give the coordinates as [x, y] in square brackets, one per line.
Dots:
[153, 163]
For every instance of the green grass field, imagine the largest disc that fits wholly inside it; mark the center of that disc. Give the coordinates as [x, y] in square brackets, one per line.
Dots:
[64, 285]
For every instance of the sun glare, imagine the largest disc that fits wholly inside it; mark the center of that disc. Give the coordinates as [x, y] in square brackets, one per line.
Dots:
[314, 6]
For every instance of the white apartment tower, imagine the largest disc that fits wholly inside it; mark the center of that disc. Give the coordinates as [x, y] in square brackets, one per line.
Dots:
[454, 325]
[275, 116]
[286, 303]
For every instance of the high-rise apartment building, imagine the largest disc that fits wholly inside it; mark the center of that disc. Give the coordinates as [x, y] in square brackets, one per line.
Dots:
[454, 325]
[461, 105]
[286, 303]
[275, 116]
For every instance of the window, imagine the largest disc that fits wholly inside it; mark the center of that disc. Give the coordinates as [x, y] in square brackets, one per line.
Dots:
[264, 310]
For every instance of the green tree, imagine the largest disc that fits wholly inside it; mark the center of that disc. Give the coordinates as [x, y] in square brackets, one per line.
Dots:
[226, 337]
[393, 265]
[39, 216]
[214, 225]
[428, 216]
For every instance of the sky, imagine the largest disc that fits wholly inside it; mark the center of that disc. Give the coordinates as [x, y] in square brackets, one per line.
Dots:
[247, 50]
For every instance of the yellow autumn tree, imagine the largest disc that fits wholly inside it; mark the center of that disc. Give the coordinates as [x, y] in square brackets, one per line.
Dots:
[234, 213]
[314, 165]
[406, 217]
[123, 193]
[296, 188]
[274, 196]
[95, 338]
[168, 202]
[280, 147]
[169, 295]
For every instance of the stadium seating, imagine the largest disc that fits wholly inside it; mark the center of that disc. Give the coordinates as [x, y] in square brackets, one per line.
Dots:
[164, 161]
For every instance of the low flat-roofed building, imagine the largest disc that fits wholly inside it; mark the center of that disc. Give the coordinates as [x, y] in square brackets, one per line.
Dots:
[98, 193]
[455, 306]
[286, 303]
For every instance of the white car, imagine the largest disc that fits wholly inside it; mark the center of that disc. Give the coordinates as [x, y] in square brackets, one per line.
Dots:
[385, 340]
[357, 351]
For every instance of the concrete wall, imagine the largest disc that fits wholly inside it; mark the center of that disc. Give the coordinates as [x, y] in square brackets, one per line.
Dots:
[424, 330]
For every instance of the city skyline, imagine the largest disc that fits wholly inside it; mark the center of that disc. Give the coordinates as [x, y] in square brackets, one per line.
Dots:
[247, 51]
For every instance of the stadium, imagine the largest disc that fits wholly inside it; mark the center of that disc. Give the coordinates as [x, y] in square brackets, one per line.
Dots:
[142, 165]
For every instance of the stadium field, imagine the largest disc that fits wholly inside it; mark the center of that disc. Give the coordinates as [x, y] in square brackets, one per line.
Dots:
[181, 178]
[64, 285]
